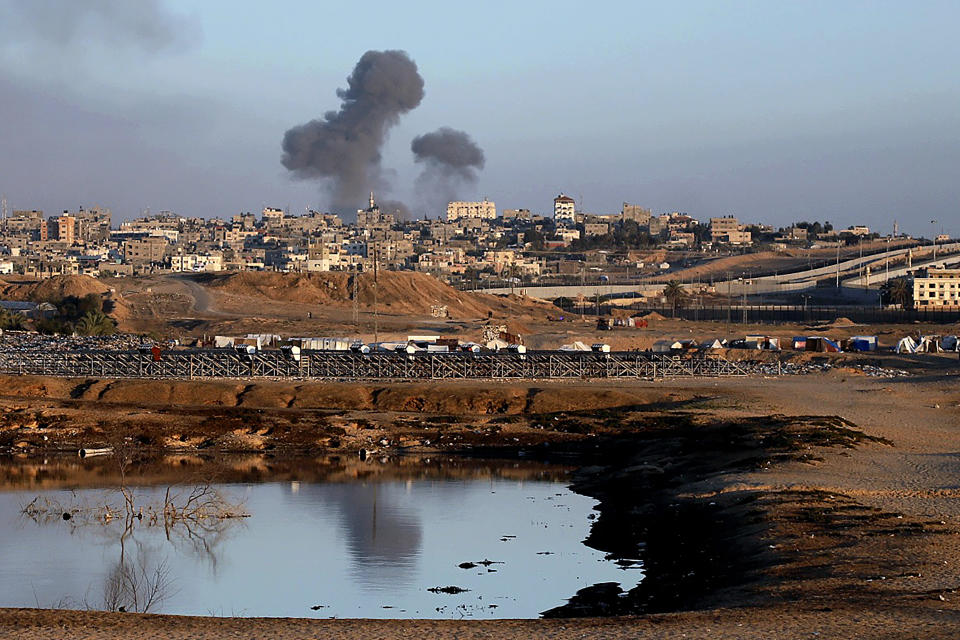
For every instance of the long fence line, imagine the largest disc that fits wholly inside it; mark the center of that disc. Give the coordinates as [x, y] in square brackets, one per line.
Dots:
[211, 363]
[773, 314]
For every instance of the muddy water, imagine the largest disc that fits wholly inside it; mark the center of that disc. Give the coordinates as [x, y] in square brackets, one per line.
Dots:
[320, 538]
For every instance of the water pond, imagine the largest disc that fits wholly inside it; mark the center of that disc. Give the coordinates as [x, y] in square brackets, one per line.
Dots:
[322, 538]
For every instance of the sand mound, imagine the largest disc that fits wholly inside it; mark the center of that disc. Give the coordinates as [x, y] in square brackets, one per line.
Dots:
[653, 315]
[395, 292]
[843, 322]
[54, 288]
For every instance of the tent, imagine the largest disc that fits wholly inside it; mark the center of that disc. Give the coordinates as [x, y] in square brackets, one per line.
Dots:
[861, 343]
[666, 346]
[799, 343]
[711, 344]
[576, 346]
[929, 344]
[821, 345]
[906, 345]
[950, 343]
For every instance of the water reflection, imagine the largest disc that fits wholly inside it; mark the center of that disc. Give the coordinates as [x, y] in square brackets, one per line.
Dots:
[326, 537]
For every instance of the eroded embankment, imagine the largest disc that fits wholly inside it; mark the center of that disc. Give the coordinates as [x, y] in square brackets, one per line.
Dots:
[59, 414]
[659, 463]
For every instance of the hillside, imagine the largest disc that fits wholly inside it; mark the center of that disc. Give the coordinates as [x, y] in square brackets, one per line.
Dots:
[402, 293]
[52, 288]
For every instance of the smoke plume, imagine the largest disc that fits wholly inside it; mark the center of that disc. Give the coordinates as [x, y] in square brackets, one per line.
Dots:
[344, 146]
[146, 24]
[451, 160]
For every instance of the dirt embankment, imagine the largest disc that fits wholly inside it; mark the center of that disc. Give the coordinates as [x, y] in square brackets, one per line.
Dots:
[395, 292]
[468, 398]
[53, 288]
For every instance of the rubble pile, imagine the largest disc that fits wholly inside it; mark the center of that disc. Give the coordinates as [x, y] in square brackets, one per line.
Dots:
[807, 368]
[29, 341]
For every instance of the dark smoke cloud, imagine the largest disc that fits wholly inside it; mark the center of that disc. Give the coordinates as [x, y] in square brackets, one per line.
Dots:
[451, 160]
[344, 146]
[397, 208]
[145, 24]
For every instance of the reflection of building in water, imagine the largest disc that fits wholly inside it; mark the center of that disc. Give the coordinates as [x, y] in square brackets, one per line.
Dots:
[382, 536]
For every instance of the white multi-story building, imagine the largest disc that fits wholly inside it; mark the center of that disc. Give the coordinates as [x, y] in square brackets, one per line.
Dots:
[485, 210]
[939, 288]
[564, 209]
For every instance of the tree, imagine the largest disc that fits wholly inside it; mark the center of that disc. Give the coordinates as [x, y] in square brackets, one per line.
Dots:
[675, 294]
[10, 320]
[898, 291]
[95, 323]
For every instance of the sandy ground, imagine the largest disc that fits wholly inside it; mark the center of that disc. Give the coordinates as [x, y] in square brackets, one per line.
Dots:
[856, 580]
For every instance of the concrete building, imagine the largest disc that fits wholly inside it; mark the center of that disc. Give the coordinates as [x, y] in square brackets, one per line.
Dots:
[272, 217]
[940, 288]
[61, 228]
[564, 209]
[635, 212]
[517, 214]
[485, 210]
[144, 250]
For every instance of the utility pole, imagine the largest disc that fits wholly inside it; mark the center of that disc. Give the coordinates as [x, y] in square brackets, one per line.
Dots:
[838, 262]
[744, 305]
[933, 223]
[376, 319]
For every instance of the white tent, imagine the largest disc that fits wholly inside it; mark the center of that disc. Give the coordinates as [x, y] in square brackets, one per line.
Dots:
[497, 345]
[929, 344]
[711, 344]
[576, 346]
[906, 345]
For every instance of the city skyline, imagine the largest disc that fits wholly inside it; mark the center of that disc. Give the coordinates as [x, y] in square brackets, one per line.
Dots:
[845, 114]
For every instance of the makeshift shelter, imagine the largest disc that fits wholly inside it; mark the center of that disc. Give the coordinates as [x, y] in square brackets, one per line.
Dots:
[950, 343]
[666, 346]
[712, 344]
[765, 343]
[906, 345]
[576, 346]
[929, 344]
[860, 343]
[799, 343]
[821, 344]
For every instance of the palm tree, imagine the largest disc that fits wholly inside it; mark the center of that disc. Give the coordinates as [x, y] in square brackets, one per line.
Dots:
[95, 323]
[675, 294]
[10, 320]
[899, 291]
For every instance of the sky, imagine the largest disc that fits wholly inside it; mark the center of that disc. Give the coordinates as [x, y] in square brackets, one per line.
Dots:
[773, 112]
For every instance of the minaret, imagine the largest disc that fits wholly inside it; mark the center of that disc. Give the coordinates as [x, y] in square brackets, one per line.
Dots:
[372, 202]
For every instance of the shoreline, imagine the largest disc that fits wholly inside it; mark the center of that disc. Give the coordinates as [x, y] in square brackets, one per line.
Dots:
[861, 536]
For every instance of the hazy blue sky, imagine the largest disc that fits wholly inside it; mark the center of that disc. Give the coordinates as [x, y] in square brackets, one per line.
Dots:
[774, 111]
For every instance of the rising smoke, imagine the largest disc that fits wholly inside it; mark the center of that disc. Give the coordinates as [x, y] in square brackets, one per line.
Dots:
[344, 146]
[145, 24]
[451, 161]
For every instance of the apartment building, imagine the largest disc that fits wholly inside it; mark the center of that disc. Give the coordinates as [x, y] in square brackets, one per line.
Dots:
[564, 209]
[484, 210]
[939, 288]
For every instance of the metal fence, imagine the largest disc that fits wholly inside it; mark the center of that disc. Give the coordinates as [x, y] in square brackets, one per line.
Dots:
[211, 363]
[773, 314]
